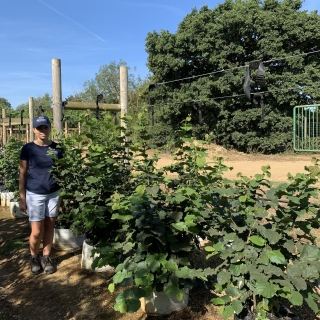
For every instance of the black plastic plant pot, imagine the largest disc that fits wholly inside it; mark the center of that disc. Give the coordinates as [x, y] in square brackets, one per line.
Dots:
[282, 314]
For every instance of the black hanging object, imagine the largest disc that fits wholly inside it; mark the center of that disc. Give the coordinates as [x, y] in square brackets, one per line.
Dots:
[246, 84]
[114, 114]
[197, 106]
[253, 65]
[21, 117]
[151, 107]
[64, 103]
[260, 73]
[99, 98]
[257, 98]
[40, 110]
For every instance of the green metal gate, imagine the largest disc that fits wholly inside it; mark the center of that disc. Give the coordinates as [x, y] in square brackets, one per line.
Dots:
[306, 135]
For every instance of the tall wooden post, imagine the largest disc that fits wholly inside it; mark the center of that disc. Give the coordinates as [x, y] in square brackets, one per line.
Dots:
[27, 133]
[123, 94]
[57, 95]
[31, 115]
[4, 129]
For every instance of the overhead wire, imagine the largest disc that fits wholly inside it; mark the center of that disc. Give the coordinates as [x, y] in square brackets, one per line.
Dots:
[230, 96]
[230, 69]
[225, 70]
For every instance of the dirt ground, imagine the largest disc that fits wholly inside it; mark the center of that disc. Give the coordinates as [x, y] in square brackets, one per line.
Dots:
[73, 293]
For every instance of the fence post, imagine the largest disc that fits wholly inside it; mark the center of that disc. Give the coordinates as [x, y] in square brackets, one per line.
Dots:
[4, 129]
[31, 108]
[123, 94]
[57, 95]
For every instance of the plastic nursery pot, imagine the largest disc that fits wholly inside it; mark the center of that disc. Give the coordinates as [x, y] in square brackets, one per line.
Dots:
[158, 304]
[282, 314]
[64, 239]
[5, 198]
[87, 258]
[15, 211]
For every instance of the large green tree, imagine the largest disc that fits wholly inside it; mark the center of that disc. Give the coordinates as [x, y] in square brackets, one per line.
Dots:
[211, 50]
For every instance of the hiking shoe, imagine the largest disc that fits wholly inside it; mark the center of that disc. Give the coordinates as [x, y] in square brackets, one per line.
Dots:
[46, 264]
[35, 265]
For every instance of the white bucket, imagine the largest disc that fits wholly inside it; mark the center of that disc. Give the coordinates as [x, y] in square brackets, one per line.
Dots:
[64, 239]
[159, 304]
[87, 259]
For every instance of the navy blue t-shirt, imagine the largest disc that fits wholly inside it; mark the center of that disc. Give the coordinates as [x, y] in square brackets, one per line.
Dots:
[40, 179]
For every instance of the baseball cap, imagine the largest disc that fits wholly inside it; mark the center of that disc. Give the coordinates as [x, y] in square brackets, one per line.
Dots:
[41, 121]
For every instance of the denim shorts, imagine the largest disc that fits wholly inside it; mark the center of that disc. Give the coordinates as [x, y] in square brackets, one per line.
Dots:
[40, 206]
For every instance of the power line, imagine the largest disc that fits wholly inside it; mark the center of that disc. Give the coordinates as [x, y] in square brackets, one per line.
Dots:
[225, 70]
[200, 75]
[233, 96]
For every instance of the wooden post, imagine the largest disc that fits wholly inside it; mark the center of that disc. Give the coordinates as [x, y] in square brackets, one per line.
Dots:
[31, 115]
[79, 128]
[66, 128]
[57, 95]
[4, 129]
[123, 95]
[27, 133]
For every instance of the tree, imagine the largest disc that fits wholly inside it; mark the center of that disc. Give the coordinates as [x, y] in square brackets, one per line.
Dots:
[211, 51]
[5, 104]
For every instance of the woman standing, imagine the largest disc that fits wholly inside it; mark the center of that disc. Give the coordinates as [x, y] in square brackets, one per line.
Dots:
[39, 192]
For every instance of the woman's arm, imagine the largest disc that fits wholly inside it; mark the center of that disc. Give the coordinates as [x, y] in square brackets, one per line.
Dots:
[22, 183]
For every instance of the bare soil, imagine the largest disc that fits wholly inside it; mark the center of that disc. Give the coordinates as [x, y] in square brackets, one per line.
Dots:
[74, 293]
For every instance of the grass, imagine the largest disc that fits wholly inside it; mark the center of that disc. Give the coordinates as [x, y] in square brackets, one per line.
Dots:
[10, 245]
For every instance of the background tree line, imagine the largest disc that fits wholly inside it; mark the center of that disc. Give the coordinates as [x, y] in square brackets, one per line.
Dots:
[200, 70]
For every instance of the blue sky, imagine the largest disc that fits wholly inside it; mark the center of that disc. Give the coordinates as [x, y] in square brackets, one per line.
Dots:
[84, 34]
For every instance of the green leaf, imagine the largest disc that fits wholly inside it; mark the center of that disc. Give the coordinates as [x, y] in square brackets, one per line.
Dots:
[180, 296]
[310, 272]
[92, 179]
[223, 277]
[272, 236]
[296, 298]
[171, 290]
[232, 291]
[265, 289]
[183, 273]
[140, 190]
[201, 162]
[118, 277]
[309, 253]
[141, 273]
[120, 307]
[218, 301]
[299, 283]
[111, 287]
[133, 305]
[181, 226]
[311, 303]
[171, 266]
[257, 240]
[228, 312]
[276, 256]
[237, 306]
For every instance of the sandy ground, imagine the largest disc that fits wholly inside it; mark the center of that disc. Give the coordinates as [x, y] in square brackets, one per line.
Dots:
[249, 165]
